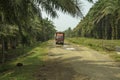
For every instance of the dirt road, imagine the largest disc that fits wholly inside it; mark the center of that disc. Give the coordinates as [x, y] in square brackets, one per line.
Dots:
[73, 62]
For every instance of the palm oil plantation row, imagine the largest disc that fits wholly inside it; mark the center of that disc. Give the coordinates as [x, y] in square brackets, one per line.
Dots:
[21, 22]
[23, 31]
[101, 22]
[100, 28]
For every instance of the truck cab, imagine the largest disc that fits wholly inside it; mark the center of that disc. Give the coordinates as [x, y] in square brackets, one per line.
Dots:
[59, 38]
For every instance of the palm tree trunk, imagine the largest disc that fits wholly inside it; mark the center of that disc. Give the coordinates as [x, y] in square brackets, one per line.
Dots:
[106, 27]
[3, 51]
[116, 31]
[6, 44]
[113, 28]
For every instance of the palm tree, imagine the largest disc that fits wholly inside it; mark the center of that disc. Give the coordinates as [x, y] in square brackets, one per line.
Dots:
[102, 21]
[111, 8]
[23, 12]
[19, 12]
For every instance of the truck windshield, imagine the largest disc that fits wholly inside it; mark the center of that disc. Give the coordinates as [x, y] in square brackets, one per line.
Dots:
[59, 37]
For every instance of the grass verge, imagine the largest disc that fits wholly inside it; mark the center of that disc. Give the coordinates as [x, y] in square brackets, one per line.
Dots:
[106, 46]
[31, 60]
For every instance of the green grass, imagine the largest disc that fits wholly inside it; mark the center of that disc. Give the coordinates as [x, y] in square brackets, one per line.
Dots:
[32, 61]
[108, 46]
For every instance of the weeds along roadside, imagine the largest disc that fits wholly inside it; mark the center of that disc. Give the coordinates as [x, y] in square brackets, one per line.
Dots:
[20, 54]
[103, 46]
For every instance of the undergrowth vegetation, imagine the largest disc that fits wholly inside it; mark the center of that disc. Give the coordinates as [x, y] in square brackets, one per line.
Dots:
[108, 46]
[31, 58]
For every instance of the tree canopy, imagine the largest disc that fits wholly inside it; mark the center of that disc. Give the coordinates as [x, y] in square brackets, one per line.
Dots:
[102, 21]
[21, 21]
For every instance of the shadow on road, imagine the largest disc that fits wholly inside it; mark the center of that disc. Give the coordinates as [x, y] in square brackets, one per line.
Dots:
[57, 69]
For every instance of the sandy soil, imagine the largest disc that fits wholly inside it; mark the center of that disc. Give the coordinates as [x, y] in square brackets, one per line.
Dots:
[73, 62]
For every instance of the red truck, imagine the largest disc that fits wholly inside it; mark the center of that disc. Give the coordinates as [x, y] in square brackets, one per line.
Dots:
[59, 38]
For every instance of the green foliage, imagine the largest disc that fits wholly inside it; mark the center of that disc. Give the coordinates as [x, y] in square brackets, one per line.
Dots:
[21, 21]
[31, 59]
[116, 57]
[104, 46]
[68, 32]
[26, 15]
[98, 44]
[9, 31]
[102, 21]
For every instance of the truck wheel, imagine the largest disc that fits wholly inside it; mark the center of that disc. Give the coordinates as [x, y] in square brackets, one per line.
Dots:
[62, 43]
[56, 43]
